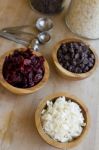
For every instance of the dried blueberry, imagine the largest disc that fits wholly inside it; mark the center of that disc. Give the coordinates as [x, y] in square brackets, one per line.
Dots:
[75, 56]
[67, 57]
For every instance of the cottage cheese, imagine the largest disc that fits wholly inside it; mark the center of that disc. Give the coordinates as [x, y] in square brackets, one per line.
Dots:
[63, 120]
[83, 18]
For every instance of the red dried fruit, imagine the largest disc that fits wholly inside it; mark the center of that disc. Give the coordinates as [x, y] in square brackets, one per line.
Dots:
[27, 62]
[23, 69]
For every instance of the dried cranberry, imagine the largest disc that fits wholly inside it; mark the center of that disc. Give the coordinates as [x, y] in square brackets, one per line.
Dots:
[27, 61]
[23, 69]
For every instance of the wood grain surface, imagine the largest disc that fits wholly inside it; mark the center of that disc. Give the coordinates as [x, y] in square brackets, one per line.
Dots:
[21, 133]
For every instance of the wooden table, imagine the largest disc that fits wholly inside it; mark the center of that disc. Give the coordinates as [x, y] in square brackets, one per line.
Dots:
[19, 132]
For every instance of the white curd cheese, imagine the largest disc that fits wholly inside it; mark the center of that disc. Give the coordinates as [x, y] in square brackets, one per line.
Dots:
[62, 120]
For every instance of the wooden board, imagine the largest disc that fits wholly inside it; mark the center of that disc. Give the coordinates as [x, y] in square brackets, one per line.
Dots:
[24, 135]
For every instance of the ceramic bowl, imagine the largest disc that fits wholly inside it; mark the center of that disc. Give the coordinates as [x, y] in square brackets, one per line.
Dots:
[47, 138]
[64, 72]
[22, 91]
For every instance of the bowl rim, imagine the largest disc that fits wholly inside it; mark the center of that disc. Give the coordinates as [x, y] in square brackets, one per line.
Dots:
[46, 137]
[22, 91]
[64, 71]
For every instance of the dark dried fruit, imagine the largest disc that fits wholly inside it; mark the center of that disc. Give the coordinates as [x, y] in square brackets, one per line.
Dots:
[23, 69]
[76, 57]
[48, 6]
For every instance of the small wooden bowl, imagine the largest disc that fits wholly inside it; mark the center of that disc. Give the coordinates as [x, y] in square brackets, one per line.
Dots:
[22, 91]
[48, 139]
[65, 73]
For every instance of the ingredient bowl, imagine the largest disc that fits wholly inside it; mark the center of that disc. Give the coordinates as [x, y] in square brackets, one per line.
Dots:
[69, 74]
[46, 137]
[22, 91]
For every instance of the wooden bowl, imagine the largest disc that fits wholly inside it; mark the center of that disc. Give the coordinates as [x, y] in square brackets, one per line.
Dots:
[47, 138]
[22, 91]
[65, 73]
